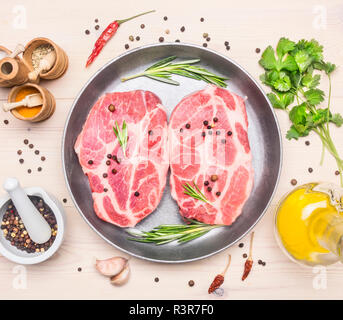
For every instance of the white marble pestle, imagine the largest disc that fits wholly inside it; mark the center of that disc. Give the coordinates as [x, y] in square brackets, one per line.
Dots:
[36, 226]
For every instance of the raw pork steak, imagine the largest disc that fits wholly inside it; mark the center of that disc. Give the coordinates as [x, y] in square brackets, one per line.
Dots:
[210, 147]
[125, 189]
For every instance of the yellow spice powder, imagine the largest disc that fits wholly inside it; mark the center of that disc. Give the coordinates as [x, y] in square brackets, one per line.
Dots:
[25, 111]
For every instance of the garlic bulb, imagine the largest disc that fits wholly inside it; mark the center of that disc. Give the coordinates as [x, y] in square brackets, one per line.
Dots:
[122, 277]
[111, 267]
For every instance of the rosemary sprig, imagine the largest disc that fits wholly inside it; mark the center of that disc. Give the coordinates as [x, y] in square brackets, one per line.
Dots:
[163, 70]
[121, 135]
[194, 192]
[166, 233]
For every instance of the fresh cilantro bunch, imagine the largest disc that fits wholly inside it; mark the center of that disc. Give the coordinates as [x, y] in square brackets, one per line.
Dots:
[293, 71]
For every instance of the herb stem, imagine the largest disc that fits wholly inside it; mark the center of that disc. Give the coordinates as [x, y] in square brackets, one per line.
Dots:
[168, 233]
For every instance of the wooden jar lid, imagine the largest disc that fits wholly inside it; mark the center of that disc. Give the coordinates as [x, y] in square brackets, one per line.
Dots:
[61, 64]
[13, 71]
[48, 106]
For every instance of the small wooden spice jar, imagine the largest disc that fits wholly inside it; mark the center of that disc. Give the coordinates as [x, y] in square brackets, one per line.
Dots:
[61, 64]
[13, 71]
[47, 108]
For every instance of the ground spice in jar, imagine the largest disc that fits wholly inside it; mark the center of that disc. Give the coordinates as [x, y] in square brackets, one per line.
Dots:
[25, 111]
[16, 233]
[39, 53]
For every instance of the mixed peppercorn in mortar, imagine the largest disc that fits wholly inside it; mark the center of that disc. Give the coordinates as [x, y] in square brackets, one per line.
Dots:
[16, 233]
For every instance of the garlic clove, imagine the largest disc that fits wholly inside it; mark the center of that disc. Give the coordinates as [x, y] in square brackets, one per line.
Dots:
[122, 277]
[111, 267]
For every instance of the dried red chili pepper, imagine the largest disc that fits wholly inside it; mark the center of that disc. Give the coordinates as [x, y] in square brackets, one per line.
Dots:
[107, 34]
[249, 262]
[219, 279]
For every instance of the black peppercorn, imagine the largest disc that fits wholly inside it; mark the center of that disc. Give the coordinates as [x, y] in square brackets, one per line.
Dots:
[90, 161]
[136, 194]
[229, 133]
[127, 46]
[191, 283]
[218, 132]
[215, 119]
[209, 189]
[150, 132]
[111, 108]
[203, 134]
[209, 127]
[108, 162]
[188, 126]
[160, 39]
[206, 183]
[182, 29]
[218, 193]
[105, 175]
[205, 123]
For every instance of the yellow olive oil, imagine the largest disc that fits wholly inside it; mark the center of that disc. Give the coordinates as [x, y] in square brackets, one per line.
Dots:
[309, 223]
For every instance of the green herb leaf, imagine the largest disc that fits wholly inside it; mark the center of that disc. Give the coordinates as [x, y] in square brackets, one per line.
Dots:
[283, 83]
[164, 69]
[292, 133]
[194, 192]
[268, 60]
[314, 96]
[290, 76]
[281, 100]
[121, 135]
[303, 60]
[310, 81]
[284, 46]
[288, 64]
[164, 234]
[337, 119]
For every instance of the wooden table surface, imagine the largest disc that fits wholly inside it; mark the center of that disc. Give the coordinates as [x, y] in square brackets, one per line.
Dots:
[247, 25]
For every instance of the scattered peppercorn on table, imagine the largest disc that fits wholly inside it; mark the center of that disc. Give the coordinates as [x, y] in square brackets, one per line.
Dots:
[32, 151]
